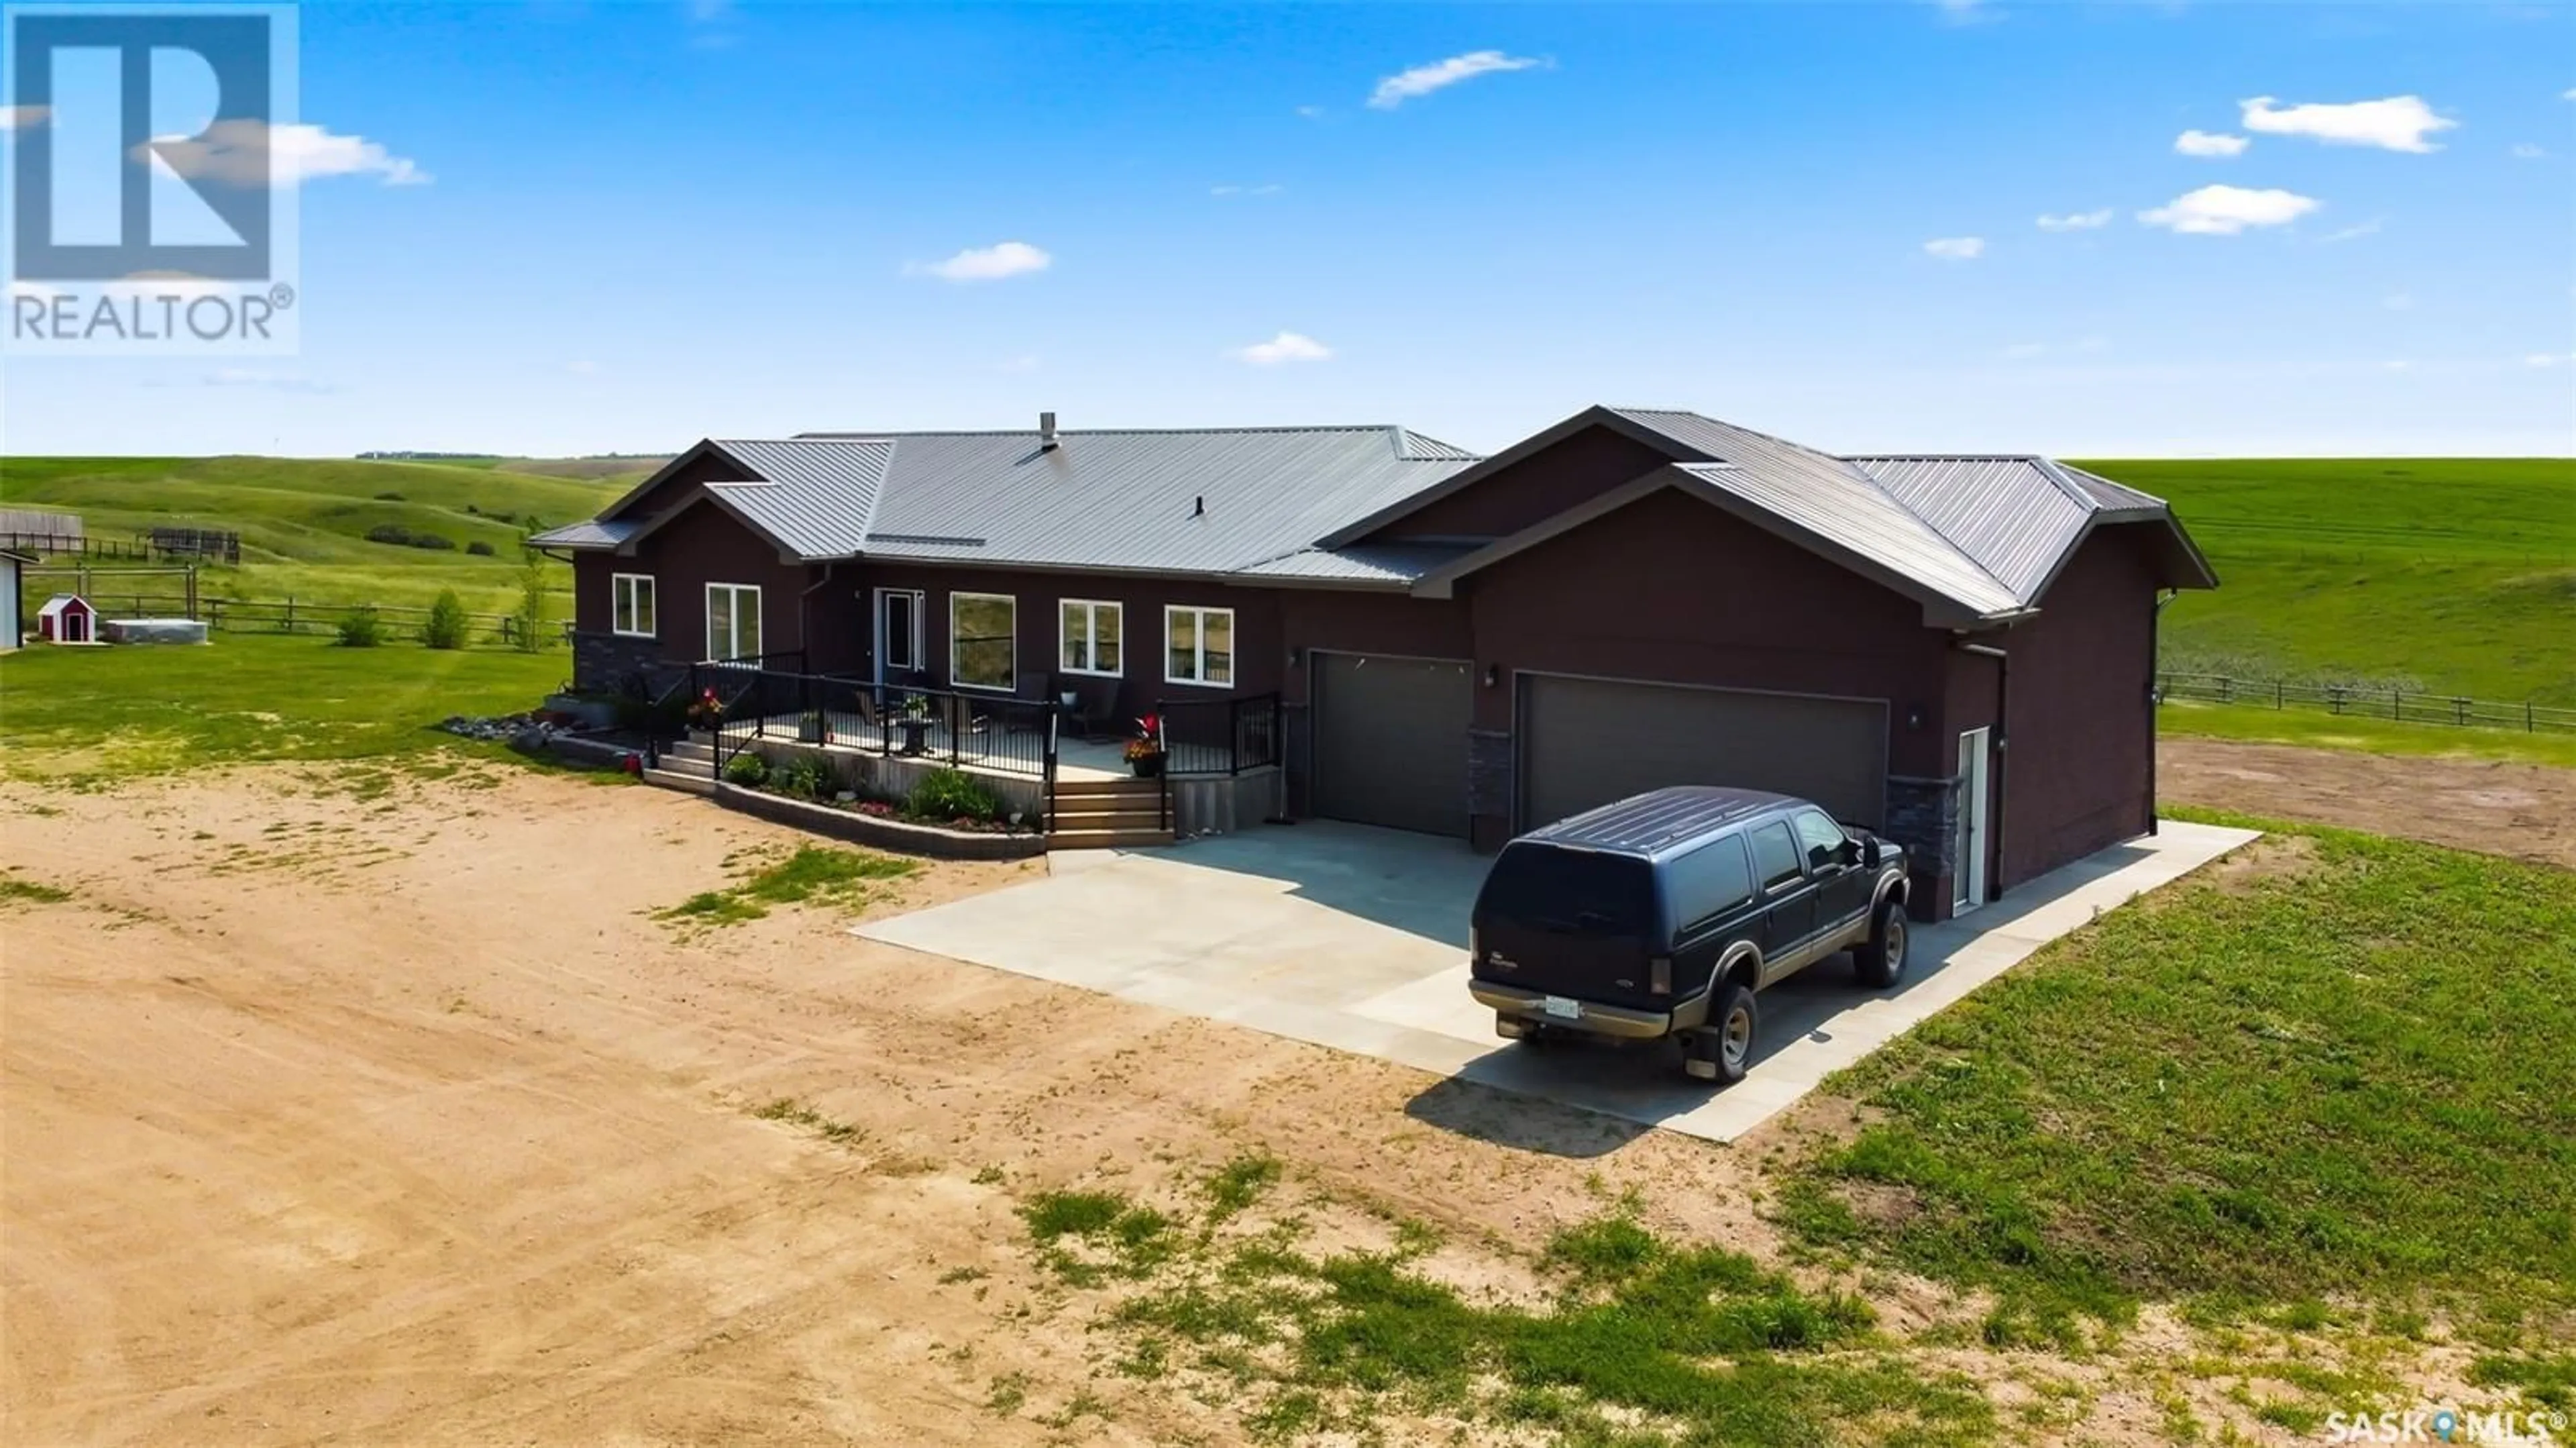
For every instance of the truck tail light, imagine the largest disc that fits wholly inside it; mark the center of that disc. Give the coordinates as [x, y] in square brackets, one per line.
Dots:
[1660, 976]
[1475, 945]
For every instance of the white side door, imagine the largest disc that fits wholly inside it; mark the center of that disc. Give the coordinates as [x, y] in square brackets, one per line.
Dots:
[1968, 881]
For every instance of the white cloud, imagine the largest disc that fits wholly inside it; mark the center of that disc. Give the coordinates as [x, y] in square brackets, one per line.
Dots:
[2227, 210]
[22, 118]
[2548, 359]
[2076, 220]
[1269, 189]
[2398, 301]
[1967, 12]
[2526, 151]
[707, 12]
[2210, 143]
[2399, 123]
[985, 263]
[1956, 248]
[1286, 347]
[1312, 113]
[265, 381]
[2395, 366]
[2020, 350]
[254, 153]
[1025, 362]
[582, 368]
[2352, 233]
[1422, 80]
[2568, 94]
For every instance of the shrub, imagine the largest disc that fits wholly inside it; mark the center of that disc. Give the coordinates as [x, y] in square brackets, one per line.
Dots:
[748, 770]
[802, 778]
[948, 794]
[400, 536]
[472, 509]
[528, 620]
[361, 629]
[447, 625]
[389, 497]
[479, 548]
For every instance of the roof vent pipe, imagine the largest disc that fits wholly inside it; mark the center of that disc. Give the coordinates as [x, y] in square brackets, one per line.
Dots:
[1046, 432]
[1198, 506]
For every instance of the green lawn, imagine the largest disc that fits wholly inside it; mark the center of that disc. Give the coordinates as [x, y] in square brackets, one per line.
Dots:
[2316, 729]
[304, 522]
[101, 713]
[2335, 1072]
[2456, 575]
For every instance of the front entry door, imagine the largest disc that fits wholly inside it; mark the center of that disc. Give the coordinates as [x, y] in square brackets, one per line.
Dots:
[1968, 843]
[898, 635]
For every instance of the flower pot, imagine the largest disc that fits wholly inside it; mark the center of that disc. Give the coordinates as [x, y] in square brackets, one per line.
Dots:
[1147, 766]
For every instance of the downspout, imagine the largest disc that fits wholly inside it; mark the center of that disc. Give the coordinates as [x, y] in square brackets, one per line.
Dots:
[2155, 662]
[2003, 742]
[805, 616]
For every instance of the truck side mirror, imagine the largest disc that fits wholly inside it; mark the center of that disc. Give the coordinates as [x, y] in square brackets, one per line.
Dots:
[1870, 855]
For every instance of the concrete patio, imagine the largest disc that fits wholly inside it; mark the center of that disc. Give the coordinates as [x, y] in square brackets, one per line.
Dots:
[1356, 938]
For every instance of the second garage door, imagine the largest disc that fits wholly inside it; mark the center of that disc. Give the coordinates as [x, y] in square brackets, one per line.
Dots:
[1391, 741]
[1586, 742]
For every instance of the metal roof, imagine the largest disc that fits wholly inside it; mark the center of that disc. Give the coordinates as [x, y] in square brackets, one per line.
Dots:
[1206, 501]
[591, 533]
[1649, 824]
[2007, 513]
[2107, 493]
[1364, 562]
[812, 495]
[1846, 510]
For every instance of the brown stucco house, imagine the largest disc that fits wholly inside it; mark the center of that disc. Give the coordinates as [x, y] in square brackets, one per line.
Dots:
[1955, 651]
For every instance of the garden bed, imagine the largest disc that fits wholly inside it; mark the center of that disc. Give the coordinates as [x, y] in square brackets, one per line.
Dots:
[883, 831]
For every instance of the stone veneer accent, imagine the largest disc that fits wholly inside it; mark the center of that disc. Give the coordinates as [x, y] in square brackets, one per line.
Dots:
[1923, 816]
[607, 662]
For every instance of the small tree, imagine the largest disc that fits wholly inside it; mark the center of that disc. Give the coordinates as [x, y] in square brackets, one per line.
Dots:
[528, 621]
[361, 629]
[446, 627]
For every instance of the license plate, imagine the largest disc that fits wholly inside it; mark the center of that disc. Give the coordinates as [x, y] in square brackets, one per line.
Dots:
[1562, 1007]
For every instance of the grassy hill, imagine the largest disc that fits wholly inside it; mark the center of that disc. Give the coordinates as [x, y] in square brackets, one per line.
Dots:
[2455, 575]
[2452, 575]
[304, 522]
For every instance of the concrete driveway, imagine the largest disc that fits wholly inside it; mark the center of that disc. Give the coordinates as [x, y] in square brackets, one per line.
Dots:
[1356, 938]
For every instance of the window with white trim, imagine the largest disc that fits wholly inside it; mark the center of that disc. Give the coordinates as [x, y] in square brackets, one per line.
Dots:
[631, 604]
[733, 621]
[1198, 646]
[983, 640]
[1090, 630]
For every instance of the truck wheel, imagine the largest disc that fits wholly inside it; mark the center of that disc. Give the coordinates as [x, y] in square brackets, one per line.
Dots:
[1723, 1050]
[1880, 960]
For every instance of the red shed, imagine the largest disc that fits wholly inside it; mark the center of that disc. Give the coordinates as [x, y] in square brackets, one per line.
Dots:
[67, 618]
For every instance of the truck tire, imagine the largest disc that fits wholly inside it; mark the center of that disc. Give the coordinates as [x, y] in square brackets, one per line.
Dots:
[1880, 960]
[1723, 1050]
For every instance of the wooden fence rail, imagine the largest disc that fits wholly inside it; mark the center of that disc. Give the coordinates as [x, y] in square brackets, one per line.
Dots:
[291, 616]
[2406, 706]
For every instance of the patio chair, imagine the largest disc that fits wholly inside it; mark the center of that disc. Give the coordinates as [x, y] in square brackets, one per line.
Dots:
[1095, 707]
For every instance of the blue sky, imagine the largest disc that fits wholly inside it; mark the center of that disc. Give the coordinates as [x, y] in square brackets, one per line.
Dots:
[558, 228]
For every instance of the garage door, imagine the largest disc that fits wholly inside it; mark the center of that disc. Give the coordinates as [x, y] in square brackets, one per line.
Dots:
[1586, 742]
[1391, 741]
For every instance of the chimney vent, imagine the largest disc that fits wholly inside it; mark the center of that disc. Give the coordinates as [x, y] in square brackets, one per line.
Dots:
[1046, 432]
[1198, 508]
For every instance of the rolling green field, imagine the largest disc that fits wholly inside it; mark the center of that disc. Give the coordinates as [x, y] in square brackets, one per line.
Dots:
[304, 521]
[2455, 575]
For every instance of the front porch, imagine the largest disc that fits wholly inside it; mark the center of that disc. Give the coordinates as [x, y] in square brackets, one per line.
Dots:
[1011, 750]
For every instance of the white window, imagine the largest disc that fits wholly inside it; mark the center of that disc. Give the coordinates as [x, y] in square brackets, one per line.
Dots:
[1198, 646]
[733, 621]
[983, 640]
[1091, 631]
[631, 604]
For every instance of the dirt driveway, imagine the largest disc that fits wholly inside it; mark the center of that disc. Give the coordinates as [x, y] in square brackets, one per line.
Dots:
[2523, 810]
[392, 1116]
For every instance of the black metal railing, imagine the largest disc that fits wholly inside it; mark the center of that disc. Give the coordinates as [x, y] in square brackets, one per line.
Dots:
[1220, 736]
[962, 729]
